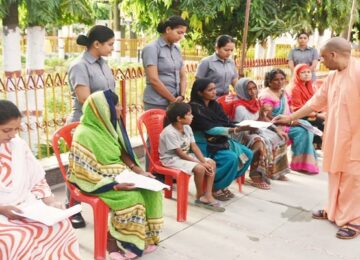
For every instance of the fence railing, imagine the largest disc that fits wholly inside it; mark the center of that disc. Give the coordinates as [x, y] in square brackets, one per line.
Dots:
[45, 100]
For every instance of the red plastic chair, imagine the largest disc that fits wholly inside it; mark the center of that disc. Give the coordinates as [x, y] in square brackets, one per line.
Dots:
[153, 121]
[100, 209]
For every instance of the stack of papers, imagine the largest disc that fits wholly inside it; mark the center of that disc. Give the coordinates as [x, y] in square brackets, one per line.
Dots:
[140, 181]
[254, 124]
[312, 129]
[37, 210]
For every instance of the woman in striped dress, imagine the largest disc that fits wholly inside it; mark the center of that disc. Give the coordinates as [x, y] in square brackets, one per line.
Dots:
[21, 179]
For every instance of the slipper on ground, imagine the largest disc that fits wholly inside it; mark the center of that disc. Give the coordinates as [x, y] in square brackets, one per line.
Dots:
[214, 206]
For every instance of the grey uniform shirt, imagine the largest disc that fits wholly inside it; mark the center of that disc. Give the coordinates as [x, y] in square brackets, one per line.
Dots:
[306, 56]
[92, 72]
[169, 62]
[222, 73]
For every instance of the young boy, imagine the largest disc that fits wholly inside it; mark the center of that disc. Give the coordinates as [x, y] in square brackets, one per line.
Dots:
[178, 150]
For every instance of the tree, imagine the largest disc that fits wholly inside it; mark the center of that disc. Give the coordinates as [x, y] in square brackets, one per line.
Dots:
[210, 18]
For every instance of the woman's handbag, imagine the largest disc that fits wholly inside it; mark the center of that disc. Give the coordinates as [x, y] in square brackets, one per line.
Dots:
[216, 143]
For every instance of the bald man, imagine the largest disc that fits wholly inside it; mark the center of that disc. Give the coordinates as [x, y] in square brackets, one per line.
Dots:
[339, 96]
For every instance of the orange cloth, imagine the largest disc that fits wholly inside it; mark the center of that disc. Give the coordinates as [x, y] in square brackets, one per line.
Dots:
[300, 91]
[344, 196]
[339, 96]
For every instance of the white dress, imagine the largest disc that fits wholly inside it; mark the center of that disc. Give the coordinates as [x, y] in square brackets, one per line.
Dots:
[22, 177]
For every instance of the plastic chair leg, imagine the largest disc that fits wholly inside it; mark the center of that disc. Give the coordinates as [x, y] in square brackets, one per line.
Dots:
[168, 181]
[71, 201]
[101, 212]
[182, 196]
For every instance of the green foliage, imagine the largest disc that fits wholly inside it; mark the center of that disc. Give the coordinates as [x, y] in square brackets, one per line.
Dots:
[39, 12]
[71, 11]
[45, 12]
[101, 10]
[210, 18]
[46, 149]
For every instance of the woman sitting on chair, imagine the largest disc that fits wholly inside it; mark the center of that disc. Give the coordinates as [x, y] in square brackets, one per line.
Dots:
[22, 179]
[301, 90]
[268, 144]
[213, 128]
[275, 102]
[100, 151]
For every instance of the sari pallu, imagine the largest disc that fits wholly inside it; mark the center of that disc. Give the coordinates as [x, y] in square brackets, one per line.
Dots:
[303, 152]
[94, 162]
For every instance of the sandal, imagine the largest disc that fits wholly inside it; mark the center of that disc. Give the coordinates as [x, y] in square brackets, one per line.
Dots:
[150, 248]
[320, 214]
[229, 193]
[283, 178]
[261, 185]
[117, 256]
[214, 206]
[220, 195]
[347, 232]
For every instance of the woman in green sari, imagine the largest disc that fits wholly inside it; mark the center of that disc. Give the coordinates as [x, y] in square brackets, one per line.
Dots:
[100, 151]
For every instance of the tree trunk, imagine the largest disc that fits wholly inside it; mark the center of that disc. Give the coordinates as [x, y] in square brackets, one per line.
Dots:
[116, 15]
[11, 44]
[35, 56]
[12, 55]
[270, 52]
[35, 53]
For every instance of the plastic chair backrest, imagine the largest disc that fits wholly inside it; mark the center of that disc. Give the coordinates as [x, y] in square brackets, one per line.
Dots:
[65, 133]
[153, 120]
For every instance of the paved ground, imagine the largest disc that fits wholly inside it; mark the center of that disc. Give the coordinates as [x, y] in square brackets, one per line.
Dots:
[257, 224]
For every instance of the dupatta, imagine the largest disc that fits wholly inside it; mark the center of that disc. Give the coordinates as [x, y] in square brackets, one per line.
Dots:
[94, 159]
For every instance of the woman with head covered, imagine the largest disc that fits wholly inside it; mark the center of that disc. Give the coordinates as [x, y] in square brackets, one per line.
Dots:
[100, 151]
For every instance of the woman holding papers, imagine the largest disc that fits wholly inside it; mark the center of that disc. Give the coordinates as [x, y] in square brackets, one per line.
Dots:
[301, 90]
[268, 144]
[100, 151]
[22, 179]
[274, 101]
[212, 130]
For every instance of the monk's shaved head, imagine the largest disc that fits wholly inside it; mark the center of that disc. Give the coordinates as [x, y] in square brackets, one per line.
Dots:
[338, 44]
[336, 53]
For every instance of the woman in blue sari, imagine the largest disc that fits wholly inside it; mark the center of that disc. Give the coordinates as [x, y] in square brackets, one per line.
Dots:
[275, 101]
[211, 125]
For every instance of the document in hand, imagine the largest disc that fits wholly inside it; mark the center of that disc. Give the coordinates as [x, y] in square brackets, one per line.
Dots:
[37, 210]
[255, 124]
[312, 129]
[140, 181]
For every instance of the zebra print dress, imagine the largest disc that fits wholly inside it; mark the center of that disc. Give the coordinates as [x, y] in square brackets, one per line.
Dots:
[27, 239]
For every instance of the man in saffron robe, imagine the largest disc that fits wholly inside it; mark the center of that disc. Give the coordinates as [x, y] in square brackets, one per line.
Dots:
[340, 98]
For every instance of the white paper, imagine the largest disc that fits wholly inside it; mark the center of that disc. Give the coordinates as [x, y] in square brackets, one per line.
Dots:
[37, 210]
[255, 124]
[312, 129]
[140, 181]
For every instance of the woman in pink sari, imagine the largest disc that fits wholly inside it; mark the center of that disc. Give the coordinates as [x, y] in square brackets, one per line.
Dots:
[275, 101]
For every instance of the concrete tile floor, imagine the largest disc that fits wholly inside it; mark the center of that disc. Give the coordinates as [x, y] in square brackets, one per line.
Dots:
[257, 224]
